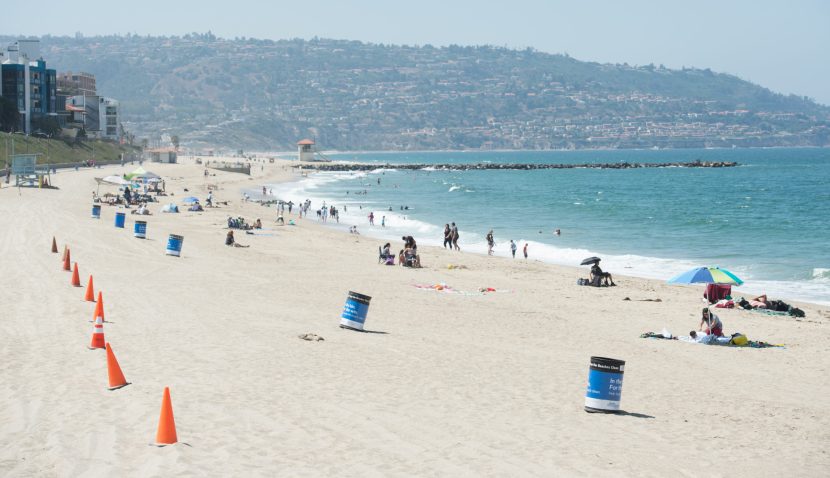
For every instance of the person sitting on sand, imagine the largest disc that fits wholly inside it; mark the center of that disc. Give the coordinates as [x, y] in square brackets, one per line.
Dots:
[141, 210]
[230, 241]
[597, 275]
[710, 323]
[258, 224]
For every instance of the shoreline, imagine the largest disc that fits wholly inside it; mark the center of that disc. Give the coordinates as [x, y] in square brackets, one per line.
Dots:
[777, 287]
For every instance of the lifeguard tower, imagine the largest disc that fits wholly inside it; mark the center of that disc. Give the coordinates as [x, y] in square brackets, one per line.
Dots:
[26, 172]
[305, 150]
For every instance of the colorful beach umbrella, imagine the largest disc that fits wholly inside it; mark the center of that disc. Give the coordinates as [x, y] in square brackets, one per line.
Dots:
[190, 199]
[706, 275]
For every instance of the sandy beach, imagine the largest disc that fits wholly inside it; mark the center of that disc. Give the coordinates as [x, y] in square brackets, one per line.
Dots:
[448, 384]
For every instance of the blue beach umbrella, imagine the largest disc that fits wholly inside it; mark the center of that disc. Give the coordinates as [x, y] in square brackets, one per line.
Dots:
[706, 275]
[190, 199]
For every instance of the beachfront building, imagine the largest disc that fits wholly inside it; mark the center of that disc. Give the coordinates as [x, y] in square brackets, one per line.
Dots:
[163, 155]
[26, 82]
[305, 150]
[98, 115]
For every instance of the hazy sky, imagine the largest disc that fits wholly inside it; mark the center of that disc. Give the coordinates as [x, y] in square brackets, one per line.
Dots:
[783, 45]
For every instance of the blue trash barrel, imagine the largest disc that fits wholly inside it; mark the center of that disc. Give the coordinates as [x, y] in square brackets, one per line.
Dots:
[605, 378]
[140, 229]
[354, 312]
[174, 245]
[96, 211]
[120, 219]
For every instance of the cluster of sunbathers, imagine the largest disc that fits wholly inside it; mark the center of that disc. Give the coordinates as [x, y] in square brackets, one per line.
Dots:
[239, 223]
[761, 302]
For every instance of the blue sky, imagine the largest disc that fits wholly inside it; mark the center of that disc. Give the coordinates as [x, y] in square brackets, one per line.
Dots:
[784, 46]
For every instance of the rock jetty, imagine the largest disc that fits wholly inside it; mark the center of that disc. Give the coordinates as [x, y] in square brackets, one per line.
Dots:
[514, 166]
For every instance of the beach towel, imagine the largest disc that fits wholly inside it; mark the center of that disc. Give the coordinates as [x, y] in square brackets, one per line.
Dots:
[728, 342]
[448, 289]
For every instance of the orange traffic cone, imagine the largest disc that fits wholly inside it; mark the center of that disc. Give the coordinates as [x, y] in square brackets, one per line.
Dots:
[116, 377]
[76, 279]
[54, 246]
[166, 434]
[99, 308]
[97, 341]
[90, 291]
[66, 261]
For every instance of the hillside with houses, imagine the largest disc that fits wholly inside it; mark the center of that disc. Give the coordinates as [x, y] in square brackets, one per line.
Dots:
[349, 95]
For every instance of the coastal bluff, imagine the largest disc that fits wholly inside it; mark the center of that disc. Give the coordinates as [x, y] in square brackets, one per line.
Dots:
[515, 166]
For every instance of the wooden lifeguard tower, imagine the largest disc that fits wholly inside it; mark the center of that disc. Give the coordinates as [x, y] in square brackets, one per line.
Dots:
[305, 150]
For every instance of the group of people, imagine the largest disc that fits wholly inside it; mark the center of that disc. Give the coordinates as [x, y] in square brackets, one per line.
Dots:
[451, 237]
[514, 247]
[407, 257]
[324, 213]
[710, 330]
[239, 223]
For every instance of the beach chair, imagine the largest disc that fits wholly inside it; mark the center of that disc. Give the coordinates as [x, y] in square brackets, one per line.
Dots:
[385, 259]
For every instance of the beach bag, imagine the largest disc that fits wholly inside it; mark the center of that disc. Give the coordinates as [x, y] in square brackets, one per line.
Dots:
[796, 312]
[738, 339]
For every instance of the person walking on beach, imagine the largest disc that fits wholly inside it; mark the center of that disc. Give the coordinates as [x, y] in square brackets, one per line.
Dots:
[454, 237]
[371, 218]
[513, 248]
[383, 221]
[525, 250]
[490, 243]
[447, 236]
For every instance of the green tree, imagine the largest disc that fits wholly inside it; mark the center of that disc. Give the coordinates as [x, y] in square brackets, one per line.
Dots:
[175, 140]
[9, 116]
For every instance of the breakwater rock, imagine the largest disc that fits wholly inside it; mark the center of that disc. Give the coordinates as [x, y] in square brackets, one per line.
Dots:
[514, 166]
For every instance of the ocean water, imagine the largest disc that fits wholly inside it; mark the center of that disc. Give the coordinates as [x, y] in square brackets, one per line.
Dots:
[767, 220]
